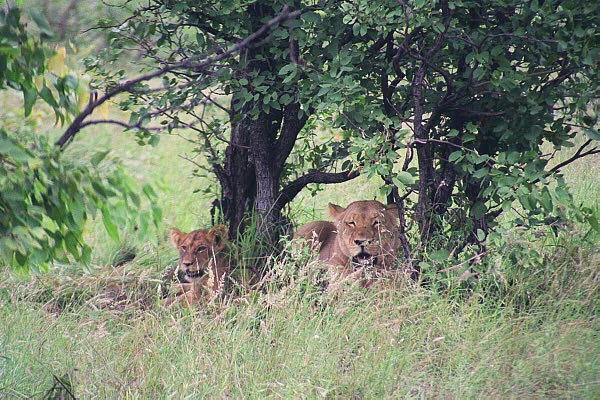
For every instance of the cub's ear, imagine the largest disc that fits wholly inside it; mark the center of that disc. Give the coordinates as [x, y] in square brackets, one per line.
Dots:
[335, 211]
[218, 235]
[176, 236]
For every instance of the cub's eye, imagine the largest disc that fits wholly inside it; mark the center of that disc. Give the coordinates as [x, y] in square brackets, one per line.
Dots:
[350, 223]
[201, 248]
[183, 248]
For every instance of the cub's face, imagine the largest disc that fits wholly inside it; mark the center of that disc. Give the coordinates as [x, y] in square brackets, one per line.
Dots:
[198, 249]
[366, 231]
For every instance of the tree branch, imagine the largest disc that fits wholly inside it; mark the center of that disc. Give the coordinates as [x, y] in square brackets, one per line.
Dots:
[290, 128]
[193, 63]
[578, 154]
[121, 123]
[288, 193]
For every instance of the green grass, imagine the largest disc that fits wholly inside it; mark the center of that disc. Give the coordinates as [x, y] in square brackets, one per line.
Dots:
[105, 328]
[407, 342]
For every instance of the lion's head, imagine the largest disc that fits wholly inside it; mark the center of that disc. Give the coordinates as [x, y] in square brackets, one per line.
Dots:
[366, 232]
[199, 249]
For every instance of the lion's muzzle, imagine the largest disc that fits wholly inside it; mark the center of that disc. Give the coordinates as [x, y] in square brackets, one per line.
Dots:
[364, 259]
[192, 270]
[194, 274]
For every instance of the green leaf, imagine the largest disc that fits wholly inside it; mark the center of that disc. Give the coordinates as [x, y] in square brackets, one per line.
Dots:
[455, 156]
[149, 192]
[311, 17]
[156, 215]
[72, 244]
[480, 235]
[135, 199]
[285, 99]
[48, 97]
[41, 22]
[109, 225]
[385, 190]
[154, 140]
[478, 209]
[29, 98]
[513, 157]
[480, 173]
[405, 177]
[592, 134]
[98, 157]
[526, 203]
[439, 255]
[86, 254]
[9, 51]
[20, 258]
[286, 69]
[13, 150]
[593, 221]
[143, 225]
[424, 266]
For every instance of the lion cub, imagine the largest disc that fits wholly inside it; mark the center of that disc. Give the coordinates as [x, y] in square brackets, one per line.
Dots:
[203, 261]
[361, 240]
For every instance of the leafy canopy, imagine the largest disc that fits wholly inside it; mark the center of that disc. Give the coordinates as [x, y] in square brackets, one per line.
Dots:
[462, 103]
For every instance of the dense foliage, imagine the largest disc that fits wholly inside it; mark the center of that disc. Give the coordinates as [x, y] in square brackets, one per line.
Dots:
[45, 198]
[462, 103]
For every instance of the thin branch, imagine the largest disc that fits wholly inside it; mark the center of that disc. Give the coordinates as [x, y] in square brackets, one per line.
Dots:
[529, 75]
[121, 123]
[115, 25]
[194, 162]
[578, 154]
[481, 113]
[510, 35]
[194, 63]
[476, 257]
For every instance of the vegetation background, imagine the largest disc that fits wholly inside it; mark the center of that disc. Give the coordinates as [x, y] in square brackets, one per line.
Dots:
[529, 329]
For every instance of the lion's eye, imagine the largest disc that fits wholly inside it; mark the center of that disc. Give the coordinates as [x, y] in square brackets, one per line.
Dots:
[201, 248]
[183, 248]
[350, 223]
[376, 223]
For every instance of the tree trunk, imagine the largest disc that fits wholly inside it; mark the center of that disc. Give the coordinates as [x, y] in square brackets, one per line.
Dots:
[267, 176]
[238, 180]
[261, 141]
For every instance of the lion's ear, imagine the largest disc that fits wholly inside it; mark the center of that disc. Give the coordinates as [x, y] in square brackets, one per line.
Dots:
[176, 236]
[391, 211]
[335, 211]
[218, 234]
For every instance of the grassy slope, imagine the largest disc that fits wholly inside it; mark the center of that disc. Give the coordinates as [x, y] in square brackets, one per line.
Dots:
[406, 342]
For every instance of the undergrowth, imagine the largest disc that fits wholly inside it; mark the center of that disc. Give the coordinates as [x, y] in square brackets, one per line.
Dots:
[522, 329]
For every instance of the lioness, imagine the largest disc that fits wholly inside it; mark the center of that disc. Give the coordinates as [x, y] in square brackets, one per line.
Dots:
[361, 237]
[203, 261]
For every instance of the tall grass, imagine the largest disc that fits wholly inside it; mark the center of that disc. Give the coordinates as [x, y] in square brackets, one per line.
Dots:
[399, 341]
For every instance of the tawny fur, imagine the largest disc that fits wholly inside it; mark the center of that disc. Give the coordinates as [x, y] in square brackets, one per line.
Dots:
[203, 260]
[364, 228]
